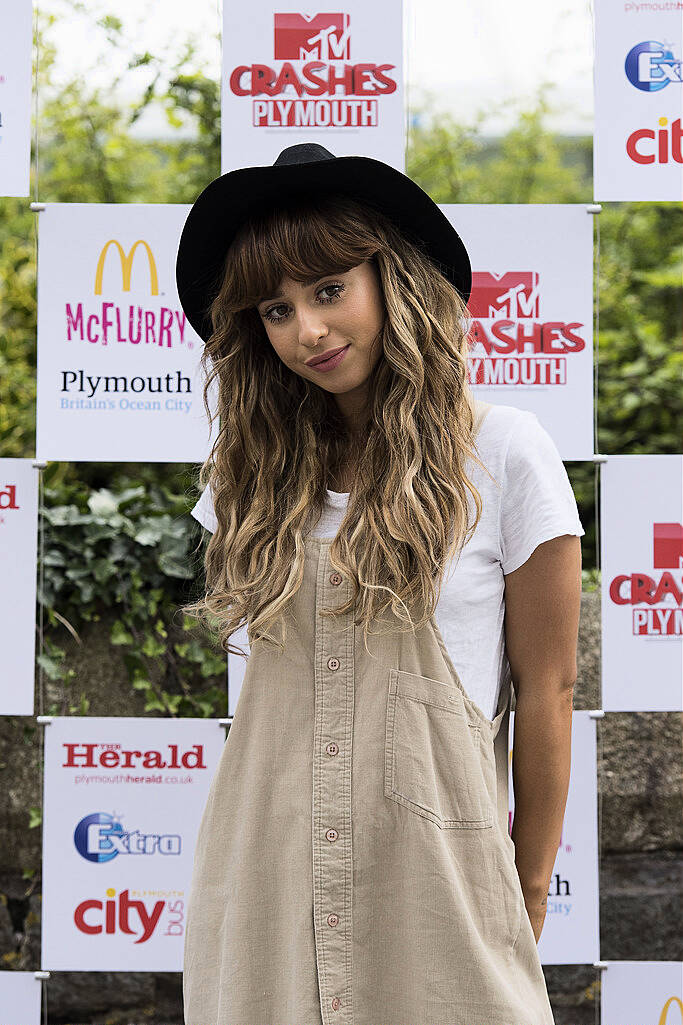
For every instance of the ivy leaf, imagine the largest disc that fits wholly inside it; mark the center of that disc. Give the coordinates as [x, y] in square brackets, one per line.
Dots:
[52, 669]
[150, 533]
[103, 503]
[154, 705]
[119, 634]
[153, 648]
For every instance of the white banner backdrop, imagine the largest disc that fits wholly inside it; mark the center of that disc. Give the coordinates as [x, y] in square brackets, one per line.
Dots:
[18, 564]
[641, 503]
[16, 29]
[123, 800]
[638, 101]
[118, 362]
[531, 312]
[641, 993]
[331, 78]
[19, 998]
[571, 932]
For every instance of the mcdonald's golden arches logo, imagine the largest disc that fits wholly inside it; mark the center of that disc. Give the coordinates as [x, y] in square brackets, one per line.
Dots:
[664, 1016]
[127, 266]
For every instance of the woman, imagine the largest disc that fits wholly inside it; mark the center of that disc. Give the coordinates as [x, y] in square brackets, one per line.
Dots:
[353, 863]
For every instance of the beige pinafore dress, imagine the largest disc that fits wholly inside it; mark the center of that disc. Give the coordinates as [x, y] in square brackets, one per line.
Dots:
[353, 864]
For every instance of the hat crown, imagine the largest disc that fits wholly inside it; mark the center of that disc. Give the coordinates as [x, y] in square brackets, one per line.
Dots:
[303, 153]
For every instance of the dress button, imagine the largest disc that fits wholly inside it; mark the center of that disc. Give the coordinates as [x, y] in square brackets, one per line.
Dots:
[332, 748]
[333, 663]
[331, 835]
[336, 1003]
[333, 919]
[335, 578]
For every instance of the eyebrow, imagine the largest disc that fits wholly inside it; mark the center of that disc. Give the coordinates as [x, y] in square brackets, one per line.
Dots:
[280, 295]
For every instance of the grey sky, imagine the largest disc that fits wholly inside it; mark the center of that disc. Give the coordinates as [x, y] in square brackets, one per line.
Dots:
[466, 55]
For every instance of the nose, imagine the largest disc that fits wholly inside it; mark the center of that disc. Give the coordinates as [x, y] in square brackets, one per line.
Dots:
[310, 325]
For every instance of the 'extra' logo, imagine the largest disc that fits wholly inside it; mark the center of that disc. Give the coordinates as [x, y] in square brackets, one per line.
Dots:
[110, 916]
[300, 37]
[519, 346]
[651, 66]
[659, 598]
[666, 139]
[301, 92]
[100, 837]
[127, 265]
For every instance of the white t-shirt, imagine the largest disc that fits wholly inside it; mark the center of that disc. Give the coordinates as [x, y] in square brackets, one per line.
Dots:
[534, 504]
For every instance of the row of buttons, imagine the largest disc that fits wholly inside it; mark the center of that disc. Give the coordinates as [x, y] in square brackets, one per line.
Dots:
[333, 749]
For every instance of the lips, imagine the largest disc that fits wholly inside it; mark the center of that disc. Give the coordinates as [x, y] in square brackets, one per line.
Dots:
[326, 355]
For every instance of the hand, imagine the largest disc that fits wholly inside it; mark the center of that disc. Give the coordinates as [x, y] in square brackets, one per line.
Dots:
[536, 910]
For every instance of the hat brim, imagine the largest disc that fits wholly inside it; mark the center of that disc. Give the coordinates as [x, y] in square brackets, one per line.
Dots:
[232, 198]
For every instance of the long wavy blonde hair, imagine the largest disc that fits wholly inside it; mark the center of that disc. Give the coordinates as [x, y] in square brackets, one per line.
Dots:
[281, 437]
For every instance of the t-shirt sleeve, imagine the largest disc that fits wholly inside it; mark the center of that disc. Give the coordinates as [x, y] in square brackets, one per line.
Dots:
[537, 502]
[204, 511]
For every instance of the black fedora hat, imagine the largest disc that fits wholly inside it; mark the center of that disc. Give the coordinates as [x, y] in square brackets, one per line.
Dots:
[303, 170]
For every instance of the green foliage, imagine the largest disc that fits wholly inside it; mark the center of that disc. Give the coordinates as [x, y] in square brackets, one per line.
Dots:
[458, 163]
[128, 553]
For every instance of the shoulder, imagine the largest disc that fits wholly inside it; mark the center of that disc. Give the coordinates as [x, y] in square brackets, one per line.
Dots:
[537, 502]
[501, 427]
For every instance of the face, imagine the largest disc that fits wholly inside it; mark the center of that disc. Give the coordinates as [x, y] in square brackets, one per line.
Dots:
[304, 321]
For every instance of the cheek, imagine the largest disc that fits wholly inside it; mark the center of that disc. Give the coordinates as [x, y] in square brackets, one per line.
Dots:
[279, 344]
[364, 319]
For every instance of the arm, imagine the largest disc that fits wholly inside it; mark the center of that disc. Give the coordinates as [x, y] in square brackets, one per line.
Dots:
[542, 605]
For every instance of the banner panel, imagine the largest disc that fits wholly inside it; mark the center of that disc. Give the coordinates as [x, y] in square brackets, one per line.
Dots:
[531, 313]
[638, 100]
[335, 78]
[119, 377]
[571, 931]
[18, 565]
[123, 800]
[16, 29]
[20, 998]
[641, 541]
[634, 992]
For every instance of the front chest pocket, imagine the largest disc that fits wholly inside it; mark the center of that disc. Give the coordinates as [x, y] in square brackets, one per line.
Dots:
[432, 757]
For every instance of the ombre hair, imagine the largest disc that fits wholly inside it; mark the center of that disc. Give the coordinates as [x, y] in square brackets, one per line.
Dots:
[281, 436]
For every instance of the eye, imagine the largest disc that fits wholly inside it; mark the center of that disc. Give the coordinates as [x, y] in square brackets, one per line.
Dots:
[336, 295]
[268, 315]
[338, 285]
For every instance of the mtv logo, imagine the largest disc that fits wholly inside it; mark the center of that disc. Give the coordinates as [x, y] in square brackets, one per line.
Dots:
[514, 294]
[324, 37]
[667, 544]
